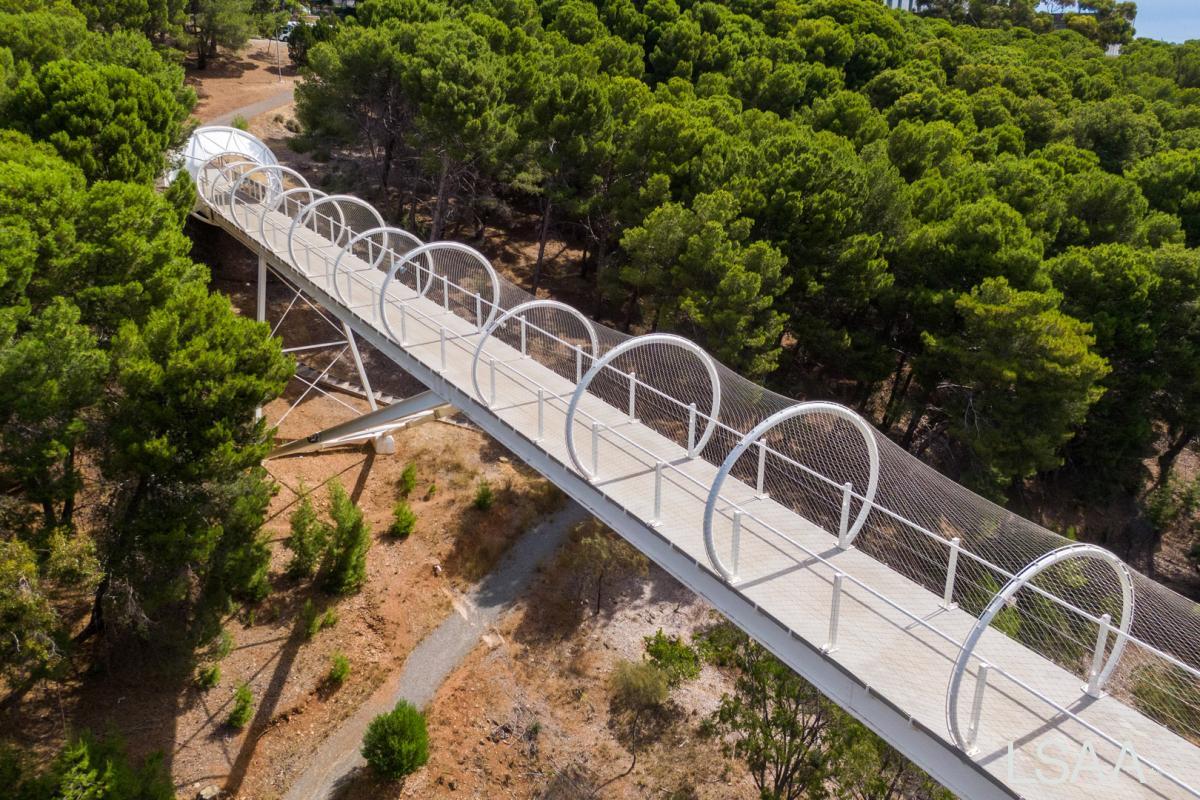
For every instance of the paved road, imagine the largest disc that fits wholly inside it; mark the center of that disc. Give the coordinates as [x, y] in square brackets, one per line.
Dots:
[280, 98]
[437, 655]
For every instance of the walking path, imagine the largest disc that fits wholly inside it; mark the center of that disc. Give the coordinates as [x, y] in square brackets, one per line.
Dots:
[437, 655]
[280, 98]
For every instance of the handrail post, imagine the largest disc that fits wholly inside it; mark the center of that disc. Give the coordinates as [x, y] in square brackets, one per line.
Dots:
[443, 346]
[596, 428]
[977, 707]
[578, 365]
[541, 415]
[633, 396]
[691, 449]
[951, 573]
[835, 611]
[658, 481]
[492, 378]
[736, 543]
[524, 328]
[762, 470]
[1094, 686]
[445, 294]
[478, 311]
[844, 524]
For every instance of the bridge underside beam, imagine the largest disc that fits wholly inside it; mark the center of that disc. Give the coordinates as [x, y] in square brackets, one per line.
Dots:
[423, 407]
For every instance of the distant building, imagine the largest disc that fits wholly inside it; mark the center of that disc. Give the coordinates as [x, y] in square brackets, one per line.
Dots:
[903, 5]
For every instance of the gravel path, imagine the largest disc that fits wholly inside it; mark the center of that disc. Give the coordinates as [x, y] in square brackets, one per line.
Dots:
[437, 655]
[280, 98]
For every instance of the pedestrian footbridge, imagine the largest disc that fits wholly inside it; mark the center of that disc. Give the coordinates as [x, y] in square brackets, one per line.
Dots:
[1005, 660]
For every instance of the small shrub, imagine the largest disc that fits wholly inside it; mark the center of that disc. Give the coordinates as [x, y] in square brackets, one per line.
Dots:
[431, 491]
[313, 621]
[484, 497]
[240, 122]
[638, 686]
[397, 743]
[223, 645]
[345, 562]
[278, 119]
[678, 660]
[208, 677]
[308, 540]
[408, 480]
[339, 670]
[403, 521]
[292, 125]
[243, 707]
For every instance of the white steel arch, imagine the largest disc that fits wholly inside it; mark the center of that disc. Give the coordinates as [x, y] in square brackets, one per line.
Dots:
[422, 289]
[275, 174]
[488, 330]
[632, 344]
[339, 200]
[385, 231]
[214, 140]
[281, 203]
[1006, 594]
[762, 429]
[207, 187]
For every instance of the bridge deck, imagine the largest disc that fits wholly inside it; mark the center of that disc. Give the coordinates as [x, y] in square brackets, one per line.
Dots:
[885, 648]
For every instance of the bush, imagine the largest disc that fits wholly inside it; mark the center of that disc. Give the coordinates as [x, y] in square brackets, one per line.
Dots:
[431, 491]
[408, 480]
[484, 497]
[403, 521]
[308, 539]
[397, 743]
[240, 122]
[88, 767]
[314, 622]
[345, 562]
[208, 677]
[639, 686]
[243, 707]
[339, 670]
[679, 661]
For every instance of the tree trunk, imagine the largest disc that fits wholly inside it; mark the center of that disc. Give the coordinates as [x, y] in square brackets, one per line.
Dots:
[439, 209]
[388, 151]
[68, 512]
[542, 236]
[913, 424]
[1166, 461]
[899, 375]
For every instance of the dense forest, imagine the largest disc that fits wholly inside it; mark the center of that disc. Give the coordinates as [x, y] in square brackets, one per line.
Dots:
[980, 235]
[129, 442]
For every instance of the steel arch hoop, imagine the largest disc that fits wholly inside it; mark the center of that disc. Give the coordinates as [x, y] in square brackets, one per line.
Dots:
[431, 247]
[386, 229]
[278, 168]
[519, 309]
[631, 344]
[759, 431]
[223, 139]
[207, 189]
[316, 193]
[1014, 585]
[311, 207]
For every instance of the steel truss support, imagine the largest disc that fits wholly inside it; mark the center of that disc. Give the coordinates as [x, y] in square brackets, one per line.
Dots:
[346, 339]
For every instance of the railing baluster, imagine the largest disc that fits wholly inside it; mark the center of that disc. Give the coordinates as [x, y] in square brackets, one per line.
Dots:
[736, 541]
[762, 469]
[1094, 687]
[691, 448]
[844, 525]
[835, 610]
[478, 311]
[658, 481]
[981, 680]
[578, 364]
[596, 428]
[524, 346]
[445, 294]
[633, 396]
[541, 414]
[951, 572]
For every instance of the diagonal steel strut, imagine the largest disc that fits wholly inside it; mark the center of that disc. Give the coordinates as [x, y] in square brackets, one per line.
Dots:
[419, 408]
